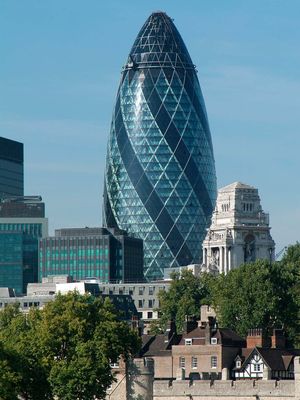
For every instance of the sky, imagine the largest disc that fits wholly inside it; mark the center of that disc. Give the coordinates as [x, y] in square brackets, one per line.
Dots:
[59, 73]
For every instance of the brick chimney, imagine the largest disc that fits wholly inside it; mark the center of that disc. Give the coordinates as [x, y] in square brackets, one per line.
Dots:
[278, 340]
[256, 338]
[170, 329]
[189, 325]
[208, 328]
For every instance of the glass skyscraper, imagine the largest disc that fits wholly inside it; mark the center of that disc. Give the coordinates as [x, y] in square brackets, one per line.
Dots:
[160, 181]
[11, 168]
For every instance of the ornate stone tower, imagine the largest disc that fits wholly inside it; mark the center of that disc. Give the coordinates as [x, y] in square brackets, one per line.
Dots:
[239, 232]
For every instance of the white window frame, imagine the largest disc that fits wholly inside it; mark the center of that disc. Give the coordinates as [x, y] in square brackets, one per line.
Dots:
[188, 342]
[238, 364]
[213, 362]
[181, 362]
[194, 363]
[213, 340]
[257, 367]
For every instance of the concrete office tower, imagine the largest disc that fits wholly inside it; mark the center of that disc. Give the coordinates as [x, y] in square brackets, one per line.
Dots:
[160, 181]
[239, 232]
[11, 168]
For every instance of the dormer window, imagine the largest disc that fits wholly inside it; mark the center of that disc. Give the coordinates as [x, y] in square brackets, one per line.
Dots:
[213, 340]
[188, 342]
[238, 364]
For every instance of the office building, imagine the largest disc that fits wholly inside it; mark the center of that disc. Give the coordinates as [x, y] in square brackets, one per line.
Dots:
[11, 168]
[22, 224]
[143, 294]
[160, 181]
[109, 255]
[18, 260]
[38, 295]
[239, 232]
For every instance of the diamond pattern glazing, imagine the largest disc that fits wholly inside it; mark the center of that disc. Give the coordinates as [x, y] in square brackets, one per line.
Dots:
[160, 181]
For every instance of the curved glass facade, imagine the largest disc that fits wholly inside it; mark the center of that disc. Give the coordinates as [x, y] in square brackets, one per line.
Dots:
[160, 181]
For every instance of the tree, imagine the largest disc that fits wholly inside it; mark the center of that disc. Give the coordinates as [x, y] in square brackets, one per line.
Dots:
[257, 295]
[80, 336]
[18, 338]
[9, 379]
[65, 350]
[183, 299]
[291, 261]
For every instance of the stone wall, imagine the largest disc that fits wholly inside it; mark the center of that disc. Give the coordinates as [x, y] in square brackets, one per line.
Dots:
[224, 390]
[140, 385]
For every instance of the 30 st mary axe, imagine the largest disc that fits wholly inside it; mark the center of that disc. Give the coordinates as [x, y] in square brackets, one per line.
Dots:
[160, 180]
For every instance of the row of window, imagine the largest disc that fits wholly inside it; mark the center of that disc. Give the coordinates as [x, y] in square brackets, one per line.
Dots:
[151, 303]
[194, 362]
[25, 304]
[131, 290]
[149, 315]
[247, 206]
[189, 342]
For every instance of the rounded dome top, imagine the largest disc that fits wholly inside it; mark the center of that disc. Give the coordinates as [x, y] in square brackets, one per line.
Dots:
[159, 44]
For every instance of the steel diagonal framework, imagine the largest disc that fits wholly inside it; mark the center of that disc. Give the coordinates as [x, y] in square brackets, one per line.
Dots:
[160, 181]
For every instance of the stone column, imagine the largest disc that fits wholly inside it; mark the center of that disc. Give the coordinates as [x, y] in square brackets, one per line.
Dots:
[221, 259]
[226, 261]
[229, 260]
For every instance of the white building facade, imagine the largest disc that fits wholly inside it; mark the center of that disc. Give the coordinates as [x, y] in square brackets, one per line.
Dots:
[239, 232]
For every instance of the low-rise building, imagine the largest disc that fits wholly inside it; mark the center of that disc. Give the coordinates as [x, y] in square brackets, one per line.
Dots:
[206, 352]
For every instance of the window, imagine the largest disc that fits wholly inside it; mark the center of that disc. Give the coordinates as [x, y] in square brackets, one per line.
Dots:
[141, 291]
[238, 364]
[257, 367]
[150, 315]
[194, 362]
[141, 303]
[150, 303]
[188, 342]
[114, 365]
[213, 340]
[213, 361]
[151, 290]
[181, 362]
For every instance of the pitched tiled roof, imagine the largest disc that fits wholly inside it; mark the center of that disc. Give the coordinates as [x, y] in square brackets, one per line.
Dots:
[226, 337]
[276, 359]
[158, 345]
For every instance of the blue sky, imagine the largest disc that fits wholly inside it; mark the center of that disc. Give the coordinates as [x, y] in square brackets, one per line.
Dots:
[59, 72]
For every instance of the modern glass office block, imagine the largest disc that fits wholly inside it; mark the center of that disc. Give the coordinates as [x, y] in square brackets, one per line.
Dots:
[18, 260]
[160, 180]
[11, 168]
[106, 255]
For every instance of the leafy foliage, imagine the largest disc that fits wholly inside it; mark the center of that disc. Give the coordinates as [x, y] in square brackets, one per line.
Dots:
[255, 295]
[258, 294]
[65, 350]
[186, 294]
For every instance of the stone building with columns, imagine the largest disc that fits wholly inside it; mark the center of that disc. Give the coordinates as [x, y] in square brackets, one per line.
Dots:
[239, 231]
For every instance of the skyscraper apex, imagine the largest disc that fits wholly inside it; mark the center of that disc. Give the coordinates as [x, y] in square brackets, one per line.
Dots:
[160, 181]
